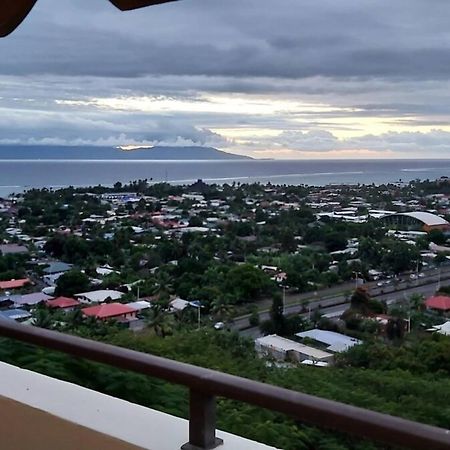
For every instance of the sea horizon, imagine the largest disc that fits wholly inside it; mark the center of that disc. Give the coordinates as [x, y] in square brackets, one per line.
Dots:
[22, 174]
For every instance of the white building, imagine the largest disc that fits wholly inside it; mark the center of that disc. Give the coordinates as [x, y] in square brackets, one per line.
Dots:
[99, 296]
[283, 349]
[336, 342]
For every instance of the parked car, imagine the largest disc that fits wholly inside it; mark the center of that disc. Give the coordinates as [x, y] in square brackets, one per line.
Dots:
[219, 325]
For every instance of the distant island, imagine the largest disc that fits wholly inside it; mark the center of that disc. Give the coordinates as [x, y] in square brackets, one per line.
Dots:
[157, 153]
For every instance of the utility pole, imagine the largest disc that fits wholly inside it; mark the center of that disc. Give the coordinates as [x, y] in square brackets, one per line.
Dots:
[284, 297]
[408, 299]
[197, 304]
[356, 278]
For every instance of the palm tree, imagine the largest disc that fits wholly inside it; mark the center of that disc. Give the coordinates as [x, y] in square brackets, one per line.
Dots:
[222, 309]
[74, 318]
[160, 320]
[42, 318]
[163, 287]
[416, 301]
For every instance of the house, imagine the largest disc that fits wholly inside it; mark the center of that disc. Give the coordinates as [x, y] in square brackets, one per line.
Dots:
[99, 296]
[63, 303]
[178, 304]
[57, 267]
[439, 303]
[30, 299]
[105, 270]
[12, 249]
[336, 342]
[283, 349]
[139, 305]
[386, 322]
[7, 301]
[441, 329]
[51, 279]
[13, 284]
[15, 314]
[108, 311]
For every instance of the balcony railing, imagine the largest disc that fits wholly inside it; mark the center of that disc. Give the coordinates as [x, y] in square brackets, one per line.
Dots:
[205, 385]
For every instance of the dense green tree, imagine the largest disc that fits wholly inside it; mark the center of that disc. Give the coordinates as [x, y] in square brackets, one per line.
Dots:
[276, 314]
[335, 241]
[71, 283]
[400, 256]
[437, 236]
[246, 282]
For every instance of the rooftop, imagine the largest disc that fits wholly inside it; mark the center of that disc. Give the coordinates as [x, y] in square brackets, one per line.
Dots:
[6, 249]
[108, 310]
[100, 295]
[281, 343]
[30, 299]
[441, 302]
[14, 314]
[62, 302]
[337, 342]
[14, 284]
[425, 217]
[56, 267]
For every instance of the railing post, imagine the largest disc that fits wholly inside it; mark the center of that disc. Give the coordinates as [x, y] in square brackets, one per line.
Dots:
[202, 422]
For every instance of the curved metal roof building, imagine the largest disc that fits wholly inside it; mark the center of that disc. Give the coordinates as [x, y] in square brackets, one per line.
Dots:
[427, 221]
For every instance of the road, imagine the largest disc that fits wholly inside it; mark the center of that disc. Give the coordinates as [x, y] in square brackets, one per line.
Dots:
[333, 305]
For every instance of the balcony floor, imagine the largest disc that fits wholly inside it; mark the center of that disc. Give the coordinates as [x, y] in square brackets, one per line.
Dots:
[25, 428]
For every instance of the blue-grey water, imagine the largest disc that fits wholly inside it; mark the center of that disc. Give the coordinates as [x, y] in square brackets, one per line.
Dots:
[19, 175]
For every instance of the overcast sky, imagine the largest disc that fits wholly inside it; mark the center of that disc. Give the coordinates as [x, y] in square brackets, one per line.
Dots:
[266, 78]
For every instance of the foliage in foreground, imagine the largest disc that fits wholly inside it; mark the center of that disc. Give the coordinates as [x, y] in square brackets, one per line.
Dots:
[410, 391]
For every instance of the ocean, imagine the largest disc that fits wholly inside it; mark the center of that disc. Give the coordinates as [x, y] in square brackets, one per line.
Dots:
[19, 175]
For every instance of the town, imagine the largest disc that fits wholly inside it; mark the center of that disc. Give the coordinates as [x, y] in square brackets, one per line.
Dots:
[297, 275]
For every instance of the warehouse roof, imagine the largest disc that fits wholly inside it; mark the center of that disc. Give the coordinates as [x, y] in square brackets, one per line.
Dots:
[280, 343]
[425, 217]
[337, 342]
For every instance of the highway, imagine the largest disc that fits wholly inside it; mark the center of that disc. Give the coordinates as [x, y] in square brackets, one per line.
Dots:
[333, 305]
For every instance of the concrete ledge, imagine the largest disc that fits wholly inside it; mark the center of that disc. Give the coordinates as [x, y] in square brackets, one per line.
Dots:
[70, 411]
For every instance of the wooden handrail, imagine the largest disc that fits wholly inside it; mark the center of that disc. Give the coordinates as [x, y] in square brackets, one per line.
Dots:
[206, 384]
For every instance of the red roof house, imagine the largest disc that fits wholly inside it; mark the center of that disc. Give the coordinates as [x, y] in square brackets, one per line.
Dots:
[14, 284]
[110, 311]
[438, 302]
[62, 303]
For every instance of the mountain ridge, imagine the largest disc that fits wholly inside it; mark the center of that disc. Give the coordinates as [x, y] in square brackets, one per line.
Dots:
[92, 152]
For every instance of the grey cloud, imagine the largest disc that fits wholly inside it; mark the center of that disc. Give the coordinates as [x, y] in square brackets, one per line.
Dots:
[415, 144]
[257, 38]
[363, 58]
